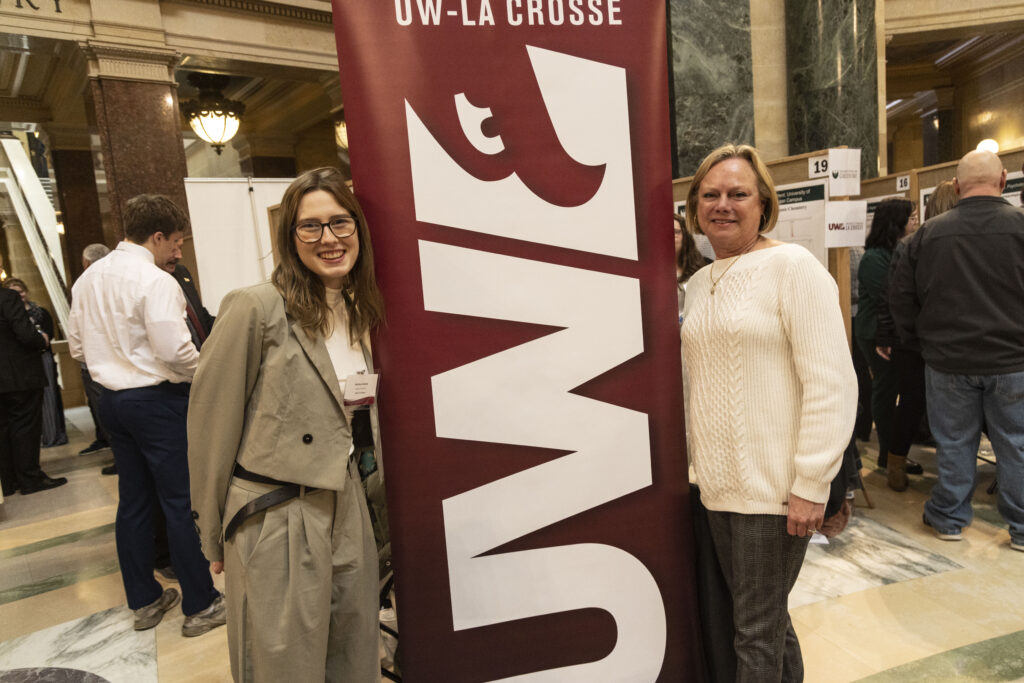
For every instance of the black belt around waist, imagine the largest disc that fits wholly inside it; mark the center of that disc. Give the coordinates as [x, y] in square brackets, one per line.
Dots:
[267, 500]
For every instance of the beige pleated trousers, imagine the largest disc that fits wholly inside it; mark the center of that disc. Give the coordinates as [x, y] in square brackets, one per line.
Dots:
[301, 583]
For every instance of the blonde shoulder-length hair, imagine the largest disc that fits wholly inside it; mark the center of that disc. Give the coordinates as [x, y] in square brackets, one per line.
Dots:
[305, 297]
[765, 186]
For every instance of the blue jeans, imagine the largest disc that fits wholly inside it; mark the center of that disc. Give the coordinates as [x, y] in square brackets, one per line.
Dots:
[957, 406]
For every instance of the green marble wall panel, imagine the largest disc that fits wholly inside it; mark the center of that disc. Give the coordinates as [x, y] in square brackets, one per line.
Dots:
[712, 79]
[831, 58]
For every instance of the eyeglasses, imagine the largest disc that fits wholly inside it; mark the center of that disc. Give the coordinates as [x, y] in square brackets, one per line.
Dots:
[313, 231]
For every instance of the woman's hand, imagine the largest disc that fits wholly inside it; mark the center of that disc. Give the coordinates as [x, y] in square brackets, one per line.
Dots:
[804, 517]
[216, 567]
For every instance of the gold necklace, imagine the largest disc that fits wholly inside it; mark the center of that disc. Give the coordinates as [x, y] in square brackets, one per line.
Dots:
[711, 273]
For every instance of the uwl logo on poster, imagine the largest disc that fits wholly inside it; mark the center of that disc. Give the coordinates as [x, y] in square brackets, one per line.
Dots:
[521, 395]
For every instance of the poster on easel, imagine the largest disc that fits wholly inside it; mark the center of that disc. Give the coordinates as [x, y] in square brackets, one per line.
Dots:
[230, 216]
[845, 224]
[1014, 185]
[802, 216]
[923, 196]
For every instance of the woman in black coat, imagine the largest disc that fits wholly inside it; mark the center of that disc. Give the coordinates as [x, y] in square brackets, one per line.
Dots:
[54, 430]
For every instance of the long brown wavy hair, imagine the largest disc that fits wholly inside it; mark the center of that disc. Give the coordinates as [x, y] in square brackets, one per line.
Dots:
[689, 260]
[305, 298]
[942, 199]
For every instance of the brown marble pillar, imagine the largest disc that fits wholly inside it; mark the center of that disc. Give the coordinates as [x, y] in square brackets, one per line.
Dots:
[134, 102]
[140, 134]
[80, 205]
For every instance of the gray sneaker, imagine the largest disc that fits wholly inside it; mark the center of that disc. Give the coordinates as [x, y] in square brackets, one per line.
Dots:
[210, 618]
[150, 615]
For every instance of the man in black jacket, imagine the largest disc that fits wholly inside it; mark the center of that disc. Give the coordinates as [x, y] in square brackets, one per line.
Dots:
[21, 399]
[199, 320]
[960, 291]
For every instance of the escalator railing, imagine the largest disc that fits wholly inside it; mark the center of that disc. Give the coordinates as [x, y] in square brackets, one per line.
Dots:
[38, 221]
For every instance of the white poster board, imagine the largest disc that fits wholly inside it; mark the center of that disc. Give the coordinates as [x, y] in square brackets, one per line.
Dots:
[846, 223]
[231, 232]
[802, 216]
[843, 172]
[1014, 184]
[923, 199]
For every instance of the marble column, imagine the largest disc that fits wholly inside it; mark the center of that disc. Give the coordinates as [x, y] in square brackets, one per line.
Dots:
[937, 129]
[134, 100]
[712, 82]
[75, 177]
[831, 55]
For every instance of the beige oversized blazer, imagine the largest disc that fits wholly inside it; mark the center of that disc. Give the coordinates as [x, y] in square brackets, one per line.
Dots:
[264, 395]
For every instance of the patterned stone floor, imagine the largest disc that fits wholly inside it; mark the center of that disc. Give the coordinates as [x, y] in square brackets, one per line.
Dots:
[887, 601]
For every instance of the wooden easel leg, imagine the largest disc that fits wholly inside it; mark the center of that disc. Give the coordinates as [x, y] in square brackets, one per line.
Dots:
[867, 499]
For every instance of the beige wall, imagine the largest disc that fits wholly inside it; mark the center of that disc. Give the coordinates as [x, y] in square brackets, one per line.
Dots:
[949, 18]
[316, 147]
[991, 105]
[204, 162]
[768, 58]
[907, 140]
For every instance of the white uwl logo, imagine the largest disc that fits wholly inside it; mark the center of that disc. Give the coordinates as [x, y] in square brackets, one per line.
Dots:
[521, 395]
[586, 102]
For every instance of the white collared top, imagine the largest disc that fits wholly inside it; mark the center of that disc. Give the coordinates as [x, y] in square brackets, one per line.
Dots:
[128, 322]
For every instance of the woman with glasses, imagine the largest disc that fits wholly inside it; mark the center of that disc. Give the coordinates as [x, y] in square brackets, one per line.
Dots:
[275, 488]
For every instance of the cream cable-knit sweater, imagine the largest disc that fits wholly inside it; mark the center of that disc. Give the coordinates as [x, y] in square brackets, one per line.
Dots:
[771, 394]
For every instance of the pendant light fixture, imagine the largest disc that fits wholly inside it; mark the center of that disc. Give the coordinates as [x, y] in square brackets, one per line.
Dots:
[213, 117]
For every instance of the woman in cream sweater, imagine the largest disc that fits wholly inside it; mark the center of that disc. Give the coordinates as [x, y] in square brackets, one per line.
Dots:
[770, 401]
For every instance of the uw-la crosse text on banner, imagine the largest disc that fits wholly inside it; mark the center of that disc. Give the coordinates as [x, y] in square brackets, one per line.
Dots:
[513, 161]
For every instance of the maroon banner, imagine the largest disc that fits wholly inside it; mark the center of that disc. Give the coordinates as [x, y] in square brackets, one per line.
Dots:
[512, 157]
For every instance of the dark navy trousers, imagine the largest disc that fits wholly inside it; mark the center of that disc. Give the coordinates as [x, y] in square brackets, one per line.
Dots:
[146, 428]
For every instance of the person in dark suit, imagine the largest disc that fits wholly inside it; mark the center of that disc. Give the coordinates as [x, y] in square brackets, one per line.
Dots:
[54, 431]
[21, 399]
[93, 391]
[199, 320]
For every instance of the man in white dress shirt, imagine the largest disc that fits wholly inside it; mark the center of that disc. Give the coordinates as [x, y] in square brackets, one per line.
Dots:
[128, 324]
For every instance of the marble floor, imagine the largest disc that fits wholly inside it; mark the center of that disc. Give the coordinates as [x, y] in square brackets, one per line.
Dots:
[62, 606]
[887, 601]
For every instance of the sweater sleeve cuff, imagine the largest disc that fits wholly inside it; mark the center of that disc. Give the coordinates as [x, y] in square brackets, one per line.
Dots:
[814, 491]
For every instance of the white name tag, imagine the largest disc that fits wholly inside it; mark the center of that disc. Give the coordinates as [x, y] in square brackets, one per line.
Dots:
[361, 389]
